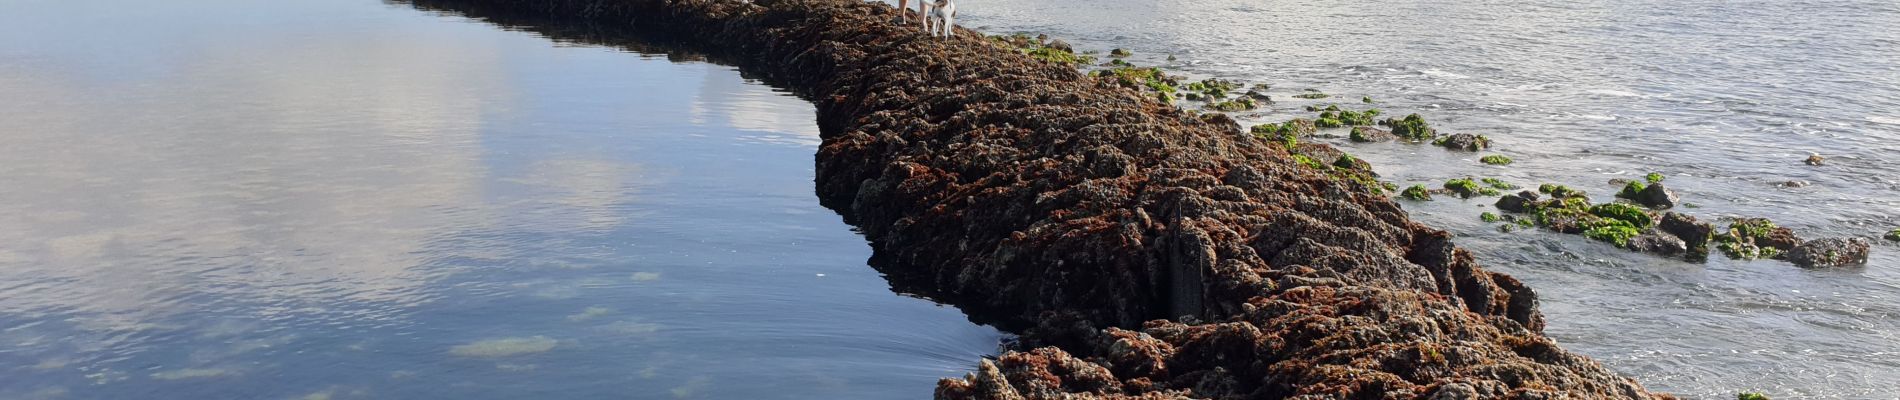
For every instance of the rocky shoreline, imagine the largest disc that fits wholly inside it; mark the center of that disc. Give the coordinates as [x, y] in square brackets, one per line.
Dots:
[1139, 251]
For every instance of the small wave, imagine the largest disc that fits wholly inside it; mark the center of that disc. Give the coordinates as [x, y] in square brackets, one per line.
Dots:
[1443, 74]
[1619, 93]
[1883, 120]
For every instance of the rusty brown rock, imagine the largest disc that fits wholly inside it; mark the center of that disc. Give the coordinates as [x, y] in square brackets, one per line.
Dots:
[1141, 252]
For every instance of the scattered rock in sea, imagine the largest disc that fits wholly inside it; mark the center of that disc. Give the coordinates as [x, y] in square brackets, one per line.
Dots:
[1694, 234]
[1794, 184]
[1756, 238]
[1518, 203]
[1464, 141]
[1367, 134]
[1830, 252]
[1657, 243]
[1495, 159]
[1815, 159]
[1464, 188]
[1412, 127]
[1058, 44]
[1893, 235]
[1657, 196]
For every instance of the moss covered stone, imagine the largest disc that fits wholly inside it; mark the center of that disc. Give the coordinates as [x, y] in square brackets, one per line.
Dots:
[1894, 235]
[1463, 187]
[1631, 190]
[1417, 192]
[1612, 231]
[1495, 159]
[1239, 104]
[1489, 217]
[1498, 184]
[1412, 127]
[1634, 215]
[1653, 177]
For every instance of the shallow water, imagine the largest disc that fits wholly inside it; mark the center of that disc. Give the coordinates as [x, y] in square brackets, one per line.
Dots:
[319, 199]
[1725, 98]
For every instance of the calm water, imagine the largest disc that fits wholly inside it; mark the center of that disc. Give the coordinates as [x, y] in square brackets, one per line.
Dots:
[344, 199]
[1725, 97]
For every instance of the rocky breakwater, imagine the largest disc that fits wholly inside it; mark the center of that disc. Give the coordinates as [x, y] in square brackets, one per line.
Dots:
[1140, 251]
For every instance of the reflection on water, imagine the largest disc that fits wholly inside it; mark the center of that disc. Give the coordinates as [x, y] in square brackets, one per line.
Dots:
[328, 200]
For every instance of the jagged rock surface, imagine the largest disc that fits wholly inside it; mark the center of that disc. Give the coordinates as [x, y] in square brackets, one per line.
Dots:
[1141, 252]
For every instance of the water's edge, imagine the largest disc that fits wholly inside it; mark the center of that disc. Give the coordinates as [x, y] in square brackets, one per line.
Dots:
[1313, 285]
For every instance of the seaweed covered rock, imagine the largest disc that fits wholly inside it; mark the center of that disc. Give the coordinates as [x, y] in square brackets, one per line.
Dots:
[1752, 238]
[1694, 234]
[1464, 141]
[1369, 134]
[1412, 127]
[1140, 252]
[1830, 252]
[1520, 202]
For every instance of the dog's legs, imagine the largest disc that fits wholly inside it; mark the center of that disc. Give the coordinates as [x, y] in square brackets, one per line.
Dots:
[949, 22]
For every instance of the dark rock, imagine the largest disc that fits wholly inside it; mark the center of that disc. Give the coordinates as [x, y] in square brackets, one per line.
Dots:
[1780, 238]
[1659, 244]
[1520, 202]
[1257, 95]
[1830, 252]
[1794, 184]
[1657, 196]
[1893, 235]
[1222, 122]
[1694, 234]
[1370, 134]
[1466, 141]
[1058, 44]
[1816, 159]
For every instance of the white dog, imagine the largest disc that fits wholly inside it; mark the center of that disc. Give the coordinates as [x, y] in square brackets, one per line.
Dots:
[940, 16]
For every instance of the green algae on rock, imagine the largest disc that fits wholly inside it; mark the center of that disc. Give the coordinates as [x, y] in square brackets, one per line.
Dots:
[1412, 127]
[1417, 192]
[1495, 159]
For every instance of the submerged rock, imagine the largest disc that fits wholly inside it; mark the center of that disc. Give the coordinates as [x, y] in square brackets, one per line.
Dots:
[1815, 159]
[1830, 252]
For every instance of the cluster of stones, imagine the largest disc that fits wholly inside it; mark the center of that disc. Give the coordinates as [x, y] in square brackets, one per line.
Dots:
[1638, 225]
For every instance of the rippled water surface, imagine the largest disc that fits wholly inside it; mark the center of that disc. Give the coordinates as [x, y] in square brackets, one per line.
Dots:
[346, 199]
[1725, 97]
